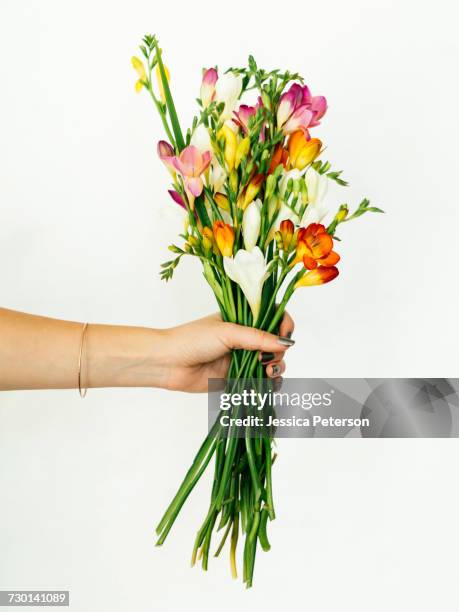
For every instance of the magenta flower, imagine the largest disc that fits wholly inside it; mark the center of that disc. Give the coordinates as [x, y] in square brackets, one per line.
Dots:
[191, 164]
[299, 110]
[177, 198]
[209, 78]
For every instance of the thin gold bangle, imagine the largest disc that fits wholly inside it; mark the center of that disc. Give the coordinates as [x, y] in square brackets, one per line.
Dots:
[83, 333]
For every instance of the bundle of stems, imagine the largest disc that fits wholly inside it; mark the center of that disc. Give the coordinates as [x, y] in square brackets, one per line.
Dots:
[252, 190]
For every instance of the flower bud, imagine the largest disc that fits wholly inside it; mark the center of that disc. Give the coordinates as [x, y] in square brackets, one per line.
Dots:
[222, 201]
[286, 231]
[242, 151]
[233, 181]
[253, 189]
[224, 237]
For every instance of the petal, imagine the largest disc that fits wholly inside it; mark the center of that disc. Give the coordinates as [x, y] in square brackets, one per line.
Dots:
[331, 259]
[319, 276]
[319, 106]
[191, 161]
[206, 159]
[194, 185]
[309, 262]
[177, 198]
[301, 118]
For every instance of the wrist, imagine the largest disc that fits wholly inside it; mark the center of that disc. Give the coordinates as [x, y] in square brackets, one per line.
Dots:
[122, 356]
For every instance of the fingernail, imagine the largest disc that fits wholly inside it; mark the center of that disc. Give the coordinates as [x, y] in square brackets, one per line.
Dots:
[278, 383]
[285, 341]
[288, 335]
[266, 357]
[275, 369]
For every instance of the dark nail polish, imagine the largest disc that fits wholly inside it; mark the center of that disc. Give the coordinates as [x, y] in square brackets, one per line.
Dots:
[285, 341]
[276, 369]
[267, 357]
[278, 383]
[288, 335]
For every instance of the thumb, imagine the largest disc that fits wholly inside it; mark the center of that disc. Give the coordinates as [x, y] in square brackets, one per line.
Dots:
[251, 339]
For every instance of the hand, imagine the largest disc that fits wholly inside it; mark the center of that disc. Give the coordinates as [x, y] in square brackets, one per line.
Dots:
[200, 350]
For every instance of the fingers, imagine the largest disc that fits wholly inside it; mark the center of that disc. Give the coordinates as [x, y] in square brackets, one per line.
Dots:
[251, 339]
[287, 326]
[274, 370]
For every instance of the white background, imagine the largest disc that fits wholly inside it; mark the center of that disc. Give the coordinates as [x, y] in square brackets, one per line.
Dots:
[85, 222]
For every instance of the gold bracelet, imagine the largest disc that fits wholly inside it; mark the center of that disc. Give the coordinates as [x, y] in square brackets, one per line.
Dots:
[83, 333]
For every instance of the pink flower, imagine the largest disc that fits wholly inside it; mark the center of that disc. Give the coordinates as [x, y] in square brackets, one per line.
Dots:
[191, 164]
[166, 154]
[209, 78]
[243, 116]
[299, 110]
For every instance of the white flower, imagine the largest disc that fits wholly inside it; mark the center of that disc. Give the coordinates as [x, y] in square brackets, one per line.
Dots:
[251, 223]
[317, 185]
[227, 90]
[201, 139]
[217, 176]
[249, 270]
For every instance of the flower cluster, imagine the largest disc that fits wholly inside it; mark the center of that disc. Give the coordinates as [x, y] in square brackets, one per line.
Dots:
[253, 191]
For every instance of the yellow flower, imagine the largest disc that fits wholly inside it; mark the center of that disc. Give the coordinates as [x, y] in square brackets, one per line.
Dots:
[230, 139]
[253, 189]
[242, 150]
[222, 201]
[140, 69]
[160, 81]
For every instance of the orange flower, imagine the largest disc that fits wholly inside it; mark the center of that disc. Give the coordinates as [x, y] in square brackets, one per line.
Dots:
[314, 247]
[280, 156]
[286, 229]
[302, 151]
[319, 276]
[224, 237]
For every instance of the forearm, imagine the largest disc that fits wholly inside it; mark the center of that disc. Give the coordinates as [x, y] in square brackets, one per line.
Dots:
[42, 353]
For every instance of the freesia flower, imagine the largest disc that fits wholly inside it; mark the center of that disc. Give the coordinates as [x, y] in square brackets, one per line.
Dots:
[249, 270]
[177, 198]
[228, 89]
[299, 110]
[251, 222]
[217, 176]
[242, 151]
[243, 116]
[302, 150]
[222, 201]
[230, 138]
[315, 247]
[317, 185]
[201, 139]
[191, 164]
[166, 154]
[160, 81]
[286, 229]
[138, 66]
[319, 276]
[252, 189]
[209, 78]
[280, 156]
[224, 237]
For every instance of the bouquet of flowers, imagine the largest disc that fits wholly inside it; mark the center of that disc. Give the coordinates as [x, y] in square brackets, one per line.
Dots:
[250, 182]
